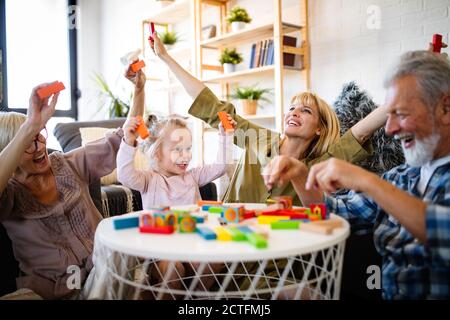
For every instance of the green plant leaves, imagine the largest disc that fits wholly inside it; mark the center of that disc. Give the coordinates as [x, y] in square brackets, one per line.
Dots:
[238, 14]
[230, 56]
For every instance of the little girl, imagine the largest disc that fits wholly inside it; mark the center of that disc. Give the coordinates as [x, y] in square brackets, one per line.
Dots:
[168, 182]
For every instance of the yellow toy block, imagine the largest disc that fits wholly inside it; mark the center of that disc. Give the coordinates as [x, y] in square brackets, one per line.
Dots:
[271, 219]
[222, 234]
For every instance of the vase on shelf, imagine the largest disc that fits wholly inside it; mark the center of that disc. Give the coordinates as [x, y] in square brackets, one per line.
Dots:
[249, 107]
[237, 25]
[229, 68]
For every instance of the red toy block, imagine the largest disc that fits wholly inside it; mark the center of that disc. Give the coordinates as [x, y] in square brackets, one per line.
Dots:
[142, 129]
[152, 31]
[249, 215]
[51, 89]
[138, 66]
[437, 43]
[157, 230]
[202, 203]
[319, 210]
[223, 116]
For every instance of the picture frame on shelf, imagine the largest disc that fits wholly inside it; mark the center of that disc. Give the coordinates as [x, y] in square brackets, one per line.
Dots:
[209, 32]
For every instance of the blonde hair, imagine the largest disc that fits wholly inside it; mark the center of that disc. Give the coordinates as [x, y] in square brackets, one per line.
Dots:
[158, 130]
[328, 124]
[10, 123]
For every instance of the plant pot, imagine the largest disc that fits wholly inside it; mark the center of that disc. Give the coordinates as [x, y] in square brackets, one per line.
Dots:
[169, 46]
[229, 68]
[165, 3]
[249, 107]
[237, 25]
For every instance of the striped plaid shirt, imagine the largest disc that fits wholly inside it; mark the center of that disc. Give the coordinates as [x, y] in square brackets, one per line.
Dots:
[411, 270]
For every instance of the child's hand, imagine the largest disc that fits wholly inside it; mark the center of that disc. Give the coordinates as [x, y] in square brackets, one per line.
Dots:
[130, 131]
[222, 131]
[137, 78]
[158, 46]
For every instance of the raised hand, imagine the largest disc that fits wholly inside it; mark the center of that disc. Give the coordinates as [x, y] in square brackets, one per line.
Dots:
[222, 131]
[157, 46]
[137, 78]
[41, 110]
[130, 131]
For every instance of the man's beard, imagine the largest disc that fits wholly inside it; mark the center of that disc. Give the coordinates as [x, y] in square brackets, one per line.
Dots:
[422, 152]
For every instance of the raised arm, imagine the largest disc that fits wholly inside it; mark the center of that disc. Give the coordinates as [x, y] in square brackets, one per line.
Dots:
[39, 112]
[365, 128]
[191, 84]
[138, 79]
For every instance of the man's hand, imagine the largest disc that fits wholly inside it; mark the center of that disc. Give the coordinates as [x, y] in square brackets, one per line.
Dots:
[281, 170]
[332, 175]
[40, 110]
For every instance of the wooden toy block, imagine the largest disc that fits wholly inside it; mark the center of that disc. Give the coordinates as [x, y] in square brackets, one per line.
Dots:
[217, 210]
[316, 228]
[206, 233]
[186, 224]
[146, 220]
[285, 225]
[209, 203]
[244, 229]
[319, 210]
[126, 223]
[305, 211]
[156, 230]
[142, 129]
[286, 201]
[199, 220]
[223, 116]
[222, 234]
[206, 208]
[236, 234]
[257, 240]
[51, 89]
[437, 43]
[334, 223]
[138, 66]
[159, 219]
[249, 215]
[152, 27]
[261, 230]
[171, 220]
[271, 219]
[233, 214]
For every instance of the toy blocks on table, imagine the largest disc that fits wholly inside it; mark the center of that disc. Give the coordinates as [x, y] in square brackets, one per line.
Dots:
[233, 214]
[285, 225]
[51, 89]
[222, 234]
[437, 43]
[142, 128]
[157, 230]
[271, 219]
[249, 214]
[223, 116]
[138, 66]
[126, 223]
[236, 234]
[187, 224]
[319, 211]
[257, 240]
[206, 233]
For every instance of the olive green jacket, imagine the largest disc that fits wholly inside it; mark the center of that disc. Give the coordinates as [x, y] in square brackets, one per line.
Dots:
[260, 145]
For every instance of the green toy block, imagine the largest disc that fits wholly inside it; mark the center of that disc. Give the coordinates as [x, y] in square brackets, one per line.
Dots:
[257, 240]
[285, 225]
[236, 234]
[217, 210]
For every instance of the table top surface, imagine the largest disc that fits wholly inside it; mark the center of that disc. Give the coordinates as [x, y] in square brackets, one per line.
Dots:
[192, 247]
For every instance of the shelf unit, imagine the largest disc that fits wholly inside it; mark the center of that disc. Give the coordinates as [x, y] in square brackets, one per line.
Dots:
[193, 10]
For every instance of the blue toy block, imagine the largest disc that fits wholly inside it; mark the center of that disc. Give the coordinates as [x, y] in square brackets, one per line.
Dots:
[207, 233]
[206, 208]
[199, 219]
[126, 223]
[245, 230]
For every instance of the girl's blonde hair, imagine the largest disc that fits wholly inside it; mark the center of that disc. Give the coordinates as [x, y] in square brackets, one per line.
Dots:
[10, 123]
[328, 124]
[158, 130]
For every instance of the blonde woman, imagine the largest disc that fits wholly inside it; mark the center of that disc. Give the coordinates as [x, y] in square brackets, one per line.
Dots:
[311, 135]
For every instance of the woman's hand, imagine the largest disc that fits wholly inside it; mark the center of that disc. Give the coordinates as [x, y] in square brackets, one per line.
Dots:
[40, 110]
[222, 131]
[130, 131]
[281, 170]
[136, 78]
[158, 47]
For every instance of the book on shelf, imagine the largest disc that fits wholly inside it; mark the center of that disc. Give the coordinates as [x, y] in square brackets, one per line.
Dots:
[262, 53]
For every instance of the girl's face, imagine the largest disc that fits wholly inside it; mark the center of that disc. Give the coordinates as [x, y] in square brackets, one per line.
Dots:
[175, 153]
[302, 122]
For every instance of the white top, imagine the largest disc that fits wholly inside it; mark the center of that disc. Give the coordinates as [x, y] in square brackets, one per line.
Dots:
[192, 247]
[427, 171]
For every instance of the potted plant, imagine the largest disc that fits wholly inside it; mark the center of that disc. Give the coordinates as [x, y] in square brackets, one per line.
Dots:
[229, 59]
[117, 108]
[249, 97]
[165, 3]
[238, 17]
[169, 38]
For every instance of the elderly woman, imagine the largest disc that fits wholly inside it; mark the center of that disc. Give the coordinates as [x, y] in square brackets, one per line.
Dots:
[44, 199]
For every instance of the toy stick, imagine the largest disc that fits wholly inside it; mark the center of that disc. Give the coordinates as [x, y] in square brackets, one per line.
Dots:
[257, 240]
[142, 129]
[270, 219]
[437, 43]
[323, 227]
[236, 234]
[206, 203]
[138, 66]
[223, 116]
[206, 233]
[126, 223]
[156, 230]
[152, 31]
[285, 225]
[222, 234]
[51, 89]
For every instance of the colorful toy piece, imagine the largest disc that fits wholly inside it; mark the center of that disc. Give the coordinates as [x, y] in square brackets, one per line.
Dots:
[206, 233]
[138, 66]
[152, 31]
[285, 225]
[222, 234]
[51, 89]
[187, 224]
[284, 201]
[257, 240]
[233, 214]
[236, 234]
[319, 211]
[271, 219]
[323, 227]
[156, 230]
[126, 223]
[202, 203]
[217, 210]
[223, 116]
[142, 129]
[437, 43]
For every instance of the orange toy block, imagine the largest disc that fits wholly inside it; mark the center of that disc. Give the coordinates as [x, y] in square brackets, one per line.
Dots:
[223, 116]
[51, 89]
[142, 129]
[138, 66]
[202, 203]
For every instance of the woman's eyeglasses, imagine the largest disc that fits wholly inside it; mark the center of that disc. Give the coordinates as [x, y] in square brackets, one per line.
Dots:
[41, 137]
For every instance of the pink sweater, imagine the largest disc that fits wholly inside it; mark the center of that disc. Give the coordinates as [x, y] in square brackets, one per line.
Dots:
[159, 190]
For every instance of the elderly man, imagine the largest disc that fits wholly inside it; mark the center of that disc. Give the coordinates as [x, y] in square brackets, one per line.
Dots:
[409, 207]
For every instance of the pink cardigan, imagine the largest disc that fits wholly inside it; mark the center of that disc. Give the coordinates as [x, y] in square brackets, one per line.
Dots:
[159, 190]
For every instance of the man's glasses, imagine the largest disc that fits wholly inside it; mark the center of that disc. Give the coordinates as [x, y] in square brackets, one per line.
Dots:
[41, 137]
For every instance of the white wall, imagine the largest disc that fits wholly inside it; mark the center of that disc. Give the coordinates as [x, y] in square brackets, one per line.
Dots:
[345, 49]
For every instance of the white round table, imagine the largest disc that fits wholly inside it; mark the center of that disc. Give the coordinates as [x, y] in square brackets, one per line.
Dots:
[295, 265]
